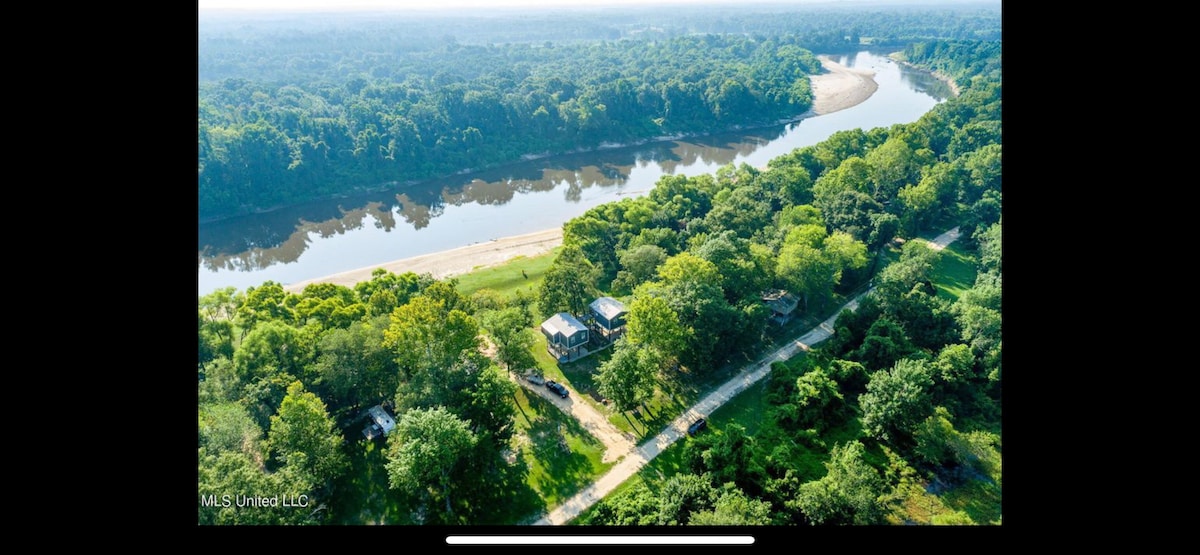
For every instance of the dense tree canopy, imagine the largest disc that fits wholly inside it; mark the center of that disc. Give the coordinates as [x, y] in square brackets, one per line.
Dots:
[907, 390]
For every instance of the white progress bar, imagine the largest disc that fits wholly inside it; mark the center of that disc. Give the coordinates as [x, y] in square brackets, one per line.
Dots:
[600, 540]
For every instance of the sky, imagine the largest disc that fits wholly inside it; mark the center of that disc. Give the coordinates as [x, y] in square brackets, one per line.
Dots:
[434, 4]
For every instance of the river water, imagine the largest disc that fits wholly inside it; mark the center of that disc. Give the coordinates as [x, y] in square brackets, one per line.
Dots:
[326, 237]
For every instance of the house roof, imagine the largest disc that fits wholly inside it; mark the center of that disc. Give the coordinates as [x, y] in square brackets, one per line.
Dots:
[608, 307]
[780, 301]
[563, 323]
[382, 418]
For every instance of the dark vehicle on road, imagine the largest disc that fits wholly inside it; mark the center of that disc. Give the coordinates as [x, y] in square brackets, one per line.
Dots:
[557, 388]
[696, 426]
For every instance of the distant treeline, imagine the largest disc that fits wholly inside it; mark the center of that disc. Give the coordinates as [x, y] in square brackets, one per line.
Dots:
[293, 108]
[462, 107]
[282, 48]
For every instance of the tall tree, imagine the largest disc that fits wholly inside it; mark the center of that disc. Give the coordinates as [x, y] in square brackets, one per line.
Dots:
[627, 378]
[427, 337]
[229, 478]
[811, 263]
[425, 450]
[654, 324]
[510, 331]
[733, 508]
[273, 346]
[353, 366]
[848, 494]
[569, 284]
[896, 401]
[304, 437]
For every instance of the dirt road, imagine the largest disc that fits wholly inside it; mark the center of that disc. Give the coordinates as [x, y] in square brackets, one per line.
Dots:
[749, 375]
[616, 442]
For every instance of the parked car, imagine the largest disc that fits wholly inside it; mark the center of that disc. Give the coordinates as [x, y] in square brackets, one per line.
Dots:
[696, 426]
[536, 379]
[557, 388]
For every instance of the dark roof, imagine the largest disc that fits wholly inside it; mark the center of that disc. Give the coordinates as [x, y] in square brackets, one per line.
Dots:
[563, 323]
[780, 301]
[608, 307]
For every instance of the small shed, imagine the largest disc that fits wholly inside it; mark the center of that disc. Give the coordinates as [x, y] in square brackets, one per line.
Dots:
[608, 315]
[782, 304]
[379, 422]
[565, 335]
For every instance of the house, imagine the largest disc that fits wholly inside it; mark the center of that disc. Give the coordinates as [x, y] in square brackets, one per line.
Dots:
[608, 317]
[782, 305]
[379, 422]
[566, 336]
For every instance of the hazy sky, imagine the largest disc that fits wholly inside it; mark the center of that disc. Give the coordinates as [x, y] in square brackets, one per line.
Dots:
[430, 4]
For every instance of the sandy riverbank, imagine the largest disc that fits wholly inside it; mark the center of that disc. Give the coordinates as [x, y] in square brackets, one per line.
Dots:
[840, 88]
[454, 261]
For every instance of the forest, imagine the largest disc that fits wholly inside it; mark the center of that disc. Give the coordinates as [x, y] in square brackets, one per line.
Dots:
[291, 111]
[895, 419]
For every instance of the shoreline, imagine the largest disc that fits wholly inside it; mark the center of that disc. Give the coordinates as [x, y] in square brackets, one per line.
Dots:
[452, 262]
[839, 88]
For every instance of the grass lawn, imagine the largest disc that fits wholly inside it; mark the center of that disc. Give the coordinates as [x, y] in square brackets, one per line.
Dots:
[979, 499]
[746, 409]
[953, 272]
[507, 278]
[363, 493]
[665, 465]
[561, 456]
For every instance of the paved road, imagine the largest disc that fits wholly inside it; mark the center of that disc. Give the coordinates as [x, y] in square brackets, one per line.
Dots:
[749, 375]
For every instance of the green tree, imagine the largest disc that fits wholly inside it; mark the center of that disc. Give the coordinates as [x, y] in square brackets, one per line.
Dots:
[510, 331]
[303, 427]
[811, 263]
[627, 378]
[273, 346]
[265, 303]
[848, 494]
[819, 402]
[229, 427]
[235, 477]
[638, 265]
[654, 324]
[425, 451]
[682, 495]
[940, 444]
[569, 284]
[893, 165]
[746, 272]
[733, 508]
[990, 248]
[353, 366]
[896, 401]
[728, 456]
[427, 337]
[978, 310]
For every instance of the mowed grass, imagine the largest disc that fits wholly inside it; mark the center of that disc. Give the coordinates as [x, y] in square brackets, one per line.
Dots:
[561, 456]
[364, 496]
[666, 464]
[507, 278]
[953, 272]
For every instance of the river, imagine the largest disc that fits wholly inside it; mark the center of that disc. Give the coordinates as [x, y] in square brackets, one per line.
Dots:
[326, 237]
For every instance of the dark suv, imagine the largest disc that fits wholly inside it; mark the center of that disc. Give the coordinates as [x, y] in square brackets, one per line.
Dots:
[557, 388]
[696, 426]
